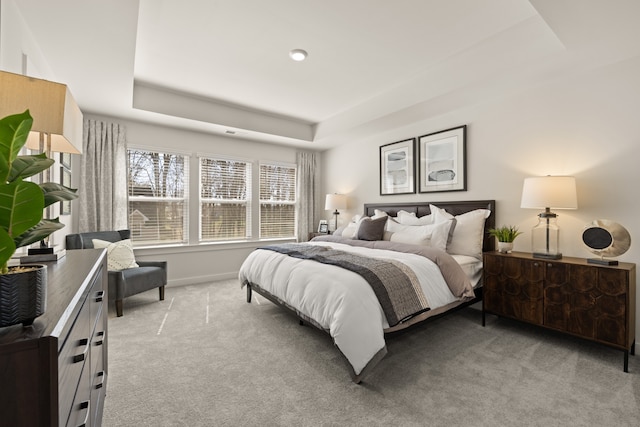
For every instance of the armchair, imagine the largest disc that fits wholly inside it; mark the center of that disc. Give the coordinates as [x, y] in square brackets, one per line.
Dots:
[131, 281]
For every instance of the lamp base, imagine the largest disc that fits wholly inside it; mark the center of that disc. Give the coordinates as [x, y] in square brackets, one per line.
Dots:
[602, 261]
[546, 256]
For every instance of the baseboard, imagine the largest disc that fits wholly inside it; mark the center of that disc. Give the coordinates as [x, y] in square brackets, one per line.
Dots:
[195, 280]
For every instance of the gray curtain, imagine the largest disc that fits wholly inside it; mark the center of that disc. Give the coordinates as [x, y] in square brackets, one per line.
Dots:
[103, 174]
[308, 185]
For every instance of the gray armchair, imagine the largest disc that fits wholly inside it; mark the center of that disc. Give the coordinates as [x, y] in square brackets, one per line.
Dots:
[131, 281]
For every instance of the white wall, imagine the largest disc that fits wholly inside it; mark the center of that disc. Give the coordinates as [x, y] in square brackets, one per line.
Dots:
[207, 262]
[586, 125]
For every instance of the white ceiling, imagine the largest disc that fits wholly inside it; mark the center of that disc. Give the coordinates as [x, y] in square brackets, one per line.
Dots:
[223, 66]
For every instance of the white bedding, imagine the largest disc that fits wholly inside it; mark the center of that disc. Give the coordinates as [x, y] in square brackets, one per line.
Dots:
[340, 301]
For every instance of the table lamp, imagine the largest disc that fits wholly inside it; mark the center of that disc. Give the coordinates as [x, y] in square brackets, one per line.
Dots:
[546, 192]
[57, 120]
[335, 201]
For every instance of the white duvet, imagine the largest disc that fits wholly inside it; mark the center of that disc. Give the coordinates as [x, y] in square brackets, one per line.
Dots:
[340, 301]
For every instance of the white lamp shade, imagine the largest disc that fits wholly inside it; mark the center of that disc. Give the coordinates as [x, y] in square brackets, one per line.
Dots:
[52, 107]
[335, 201]
[557, 192]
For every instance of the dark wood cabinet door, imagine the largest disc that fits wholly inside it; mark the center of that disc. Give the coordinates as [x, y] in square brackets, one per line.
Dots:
[612, 307]
[513, 287]
[570, 293]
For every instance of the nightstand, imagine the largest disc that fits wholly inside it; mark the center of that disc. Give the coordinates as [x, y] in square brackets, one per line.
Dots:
[569, 295]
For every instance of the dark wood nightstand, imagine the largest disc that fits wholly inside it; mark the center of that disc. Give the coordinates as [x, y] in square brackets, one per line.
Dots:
[568, 295]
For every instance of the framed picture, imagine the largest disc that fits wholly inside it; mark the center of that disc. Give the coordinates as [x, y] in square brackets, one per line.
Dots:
[65, 160]
[397, 167]
[323, 226]
[65, 179]
[442, 161]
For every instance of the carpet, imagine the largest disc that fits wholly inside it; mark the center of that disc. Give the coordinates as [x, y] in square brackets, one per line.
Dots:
[204, 357]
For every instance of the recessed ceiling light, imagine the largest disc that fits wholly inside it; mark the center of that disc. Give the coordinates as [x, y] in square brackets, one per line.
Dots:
[298, 54]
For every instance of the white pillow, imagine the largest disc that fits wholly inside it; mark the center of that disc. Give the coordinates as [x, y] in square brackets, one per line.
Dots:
[468, 232]
[377, 213]
[409, 218]
[119, 254]
[433, 235]
[349, 232]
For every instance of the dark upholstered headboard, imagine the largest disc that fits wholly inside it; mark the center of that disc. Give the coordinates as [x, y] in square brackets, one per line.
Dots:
[454, 208]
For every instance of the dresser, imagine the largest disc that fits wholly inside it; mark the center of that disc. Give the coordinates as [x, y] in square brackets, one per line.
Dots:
[569, 295]
[54, 373]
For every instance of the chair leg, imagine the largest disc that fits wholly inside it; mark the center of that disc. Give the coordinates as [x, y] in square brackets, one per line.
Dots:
[119, 307]
[161, 291]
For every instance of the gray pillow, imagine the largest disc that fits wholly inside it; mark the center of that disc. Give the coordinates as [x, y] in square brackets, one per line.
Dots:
[371, 229]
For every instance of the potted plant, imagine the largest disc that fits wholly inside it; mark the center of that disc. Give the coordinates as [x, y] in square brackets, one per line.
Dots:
[505, 235]
[23, 288]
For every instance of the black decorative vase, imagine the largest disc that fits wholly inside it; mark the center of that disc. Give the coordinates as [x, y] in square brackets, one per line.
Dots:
[23, 296]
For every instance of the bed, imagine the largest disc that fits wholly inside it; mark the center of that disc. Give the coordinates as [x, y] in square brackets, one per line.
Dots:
[360, 285]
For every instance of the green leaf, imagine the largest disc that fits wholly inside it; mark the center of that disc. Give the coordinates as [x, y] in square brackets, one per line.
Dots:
[41, 231]
[54, 192]
[14, 131]
[26, 166]
[21, 205]
[4, 168]
[7, 249]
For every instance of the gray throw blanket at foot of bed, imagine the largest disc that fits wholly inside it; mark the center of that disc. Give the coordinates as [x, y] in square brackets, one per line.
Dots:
[395, 284]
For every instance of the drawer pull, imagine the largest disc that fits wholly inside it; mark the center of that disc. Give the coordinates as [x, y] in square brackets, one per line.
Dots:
[85, 405]
[101, 383]
[101, 340]
[80, 357]
[99, 296]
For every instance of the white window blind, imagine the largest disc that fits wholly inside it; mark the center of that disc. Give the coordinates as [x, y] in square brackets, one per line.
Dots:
[225, 199]
[277, 201]
[158, 197]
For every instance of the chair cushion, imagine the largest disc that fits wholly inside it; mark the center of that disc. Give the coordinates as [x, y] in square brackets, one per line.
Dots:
[142, 279]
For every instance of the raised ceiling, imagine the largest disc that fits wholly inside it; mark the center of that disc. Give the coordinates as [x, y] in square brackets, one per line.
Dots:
[223, 66]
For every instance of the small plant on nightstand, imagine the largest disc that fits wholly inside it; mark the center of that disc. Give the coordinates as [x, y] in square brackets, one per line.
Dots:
[505, 235]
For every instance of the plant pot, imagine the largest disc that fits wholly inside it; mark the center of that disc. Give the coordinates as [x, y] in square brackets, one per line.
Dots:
[23, 295]
[505, 247]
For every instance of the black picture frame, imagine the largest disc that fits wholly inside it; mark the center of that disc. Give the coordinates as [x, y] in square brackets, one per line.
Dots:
[442, 161]
[397, 167]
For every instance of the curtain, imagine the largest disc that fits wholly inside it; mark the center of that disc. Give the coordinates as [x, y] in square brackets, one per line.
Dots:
[103, 174]
[308, 185]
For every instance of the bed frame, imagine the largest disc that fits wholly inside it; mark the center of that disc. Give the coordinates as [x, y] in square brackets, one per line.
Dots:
[420, 209]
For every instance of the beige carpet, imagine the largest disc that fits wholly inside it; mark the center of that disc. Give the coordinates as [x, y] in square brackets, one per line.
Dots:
[204, 357]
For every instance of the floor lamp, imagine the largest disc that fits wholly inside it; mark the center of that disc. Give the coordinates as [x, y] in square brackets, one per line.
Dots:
[57, 119]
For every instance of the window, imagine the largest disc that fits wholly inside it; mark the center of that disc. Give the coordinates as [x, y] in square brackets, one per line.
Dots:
[158, 197]
[225, 199]
[277, 201]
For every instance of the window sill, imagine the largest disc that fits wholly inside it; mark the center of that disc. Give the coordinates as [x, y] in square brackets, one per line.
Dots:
[207, 246]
